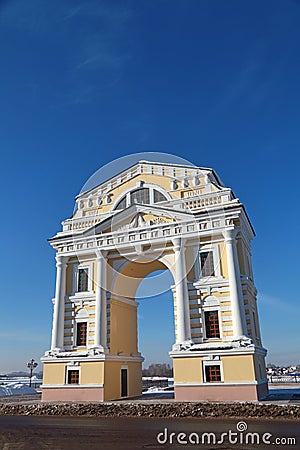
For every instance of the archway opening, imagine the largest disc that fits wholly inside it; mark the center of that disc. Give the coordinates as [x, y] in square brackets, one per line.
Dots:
[156, 332]
[142, 322]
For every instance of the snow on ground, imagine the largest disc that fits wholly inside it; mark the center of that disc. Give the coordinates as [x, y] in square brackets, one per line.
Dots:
[16, 389]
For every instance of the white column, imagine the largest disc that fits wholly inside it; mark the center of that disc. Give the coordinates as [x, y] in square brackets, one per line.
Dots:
[236, 294]
[57, 341]
[100, 308]
[182, 299]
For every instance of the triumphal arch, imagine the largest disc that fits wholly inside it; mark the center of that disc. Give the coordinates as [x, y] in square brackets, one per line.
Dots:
[155, 216]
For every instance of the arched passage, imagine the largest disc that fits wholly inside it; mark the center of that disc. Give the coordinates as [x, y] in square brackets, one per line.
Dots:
[156, 328]
[123, 336]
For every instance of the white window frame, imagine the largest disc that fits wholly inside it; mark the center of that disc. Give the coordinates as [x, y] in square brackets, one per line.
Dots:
[69, 367]
[214, 248]
[212, 362]
[89, 267]
[211, 303]
[80, 319]
[151, 188]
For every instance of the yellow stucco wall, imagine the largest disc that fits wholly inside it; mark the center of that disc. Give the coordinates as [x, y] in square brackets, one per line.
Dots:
[259, 361]
[92, 372]
[223, 260]
[238, 368]
[54, 373]
[235, 369]
[132, 274]
[135, 378]
[188, 370]
[123, 331]
[112, 377]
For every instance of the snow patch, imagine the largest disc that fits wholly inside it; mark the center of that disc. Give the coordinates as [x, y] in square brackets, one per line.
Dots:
[16, 389]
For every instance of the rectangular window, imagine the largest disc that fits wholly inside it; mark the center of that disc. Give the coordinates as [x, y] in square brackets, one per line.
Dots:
[83, 280]
[73, 376]
[212, 329]
[207, 264]
[81, 334]
[212, 373]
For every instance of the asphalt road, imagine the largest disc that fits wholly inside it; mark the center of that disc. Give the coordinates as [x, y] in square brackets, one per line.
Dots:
[107, 433]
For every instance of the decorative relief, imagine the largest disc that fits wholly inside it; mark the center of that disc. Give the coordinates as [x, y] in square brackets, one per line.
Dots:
[174, 185]
[193, 193]
[140, 221]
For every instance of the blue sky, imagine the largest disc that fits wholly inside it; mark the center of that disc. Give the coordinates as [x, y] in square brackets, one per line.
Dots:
[85, 82]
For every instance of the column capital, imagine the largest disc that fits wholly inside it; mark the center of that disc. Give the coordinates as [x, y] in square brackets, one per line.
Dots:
[178, 243]
[230, 234]
[101, 254]
[61, 260]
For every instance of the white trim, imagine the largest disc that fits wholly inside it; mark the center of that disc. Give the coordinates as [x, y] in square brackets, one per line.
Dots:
[226, 319]
[214, 248]
[74, 367]
[81, 319]
[218, 383]
[212, 362]
[218, 350]
[126, 193]
[127, 301]
[69, 386]
[76, 267]
[212, 305]
[79, 358]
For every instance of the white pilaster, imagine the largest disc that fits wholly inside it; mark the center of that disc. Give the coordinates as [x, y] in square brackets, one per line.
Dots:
[57, 341]
[236, 297]
[182, 299]
[100, 308]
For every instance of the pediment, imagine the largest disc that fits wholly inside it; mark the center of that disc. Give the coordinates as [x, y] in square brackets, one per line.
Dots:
[138, 216]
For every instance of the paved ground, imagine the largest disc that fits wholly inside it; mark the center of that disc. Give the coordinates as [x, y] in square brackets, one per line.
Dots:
[76, 433]
[114, 433]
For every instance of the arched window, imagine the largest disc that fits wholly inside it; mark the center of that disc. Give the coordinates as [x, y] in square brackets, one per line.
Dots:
[144, 196]
[159, 197]
[140, 196]
[121, 204]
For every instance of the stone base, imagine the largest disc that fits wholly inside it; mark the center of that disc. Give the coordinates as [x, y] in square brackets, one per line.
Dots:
[221, 393]
[70, 394]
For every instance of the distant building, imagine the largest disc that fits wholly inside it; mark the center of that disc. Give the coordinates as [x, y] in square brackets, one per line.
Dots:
[155, 216]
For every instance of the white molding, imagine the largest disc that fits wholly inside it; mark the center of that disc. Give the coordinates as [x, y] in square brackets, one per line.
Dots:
[68, 368]
[151, 186]
[226, 319]
[82, 265]
[90, 358]
[70, 386]
[212, 362]
[214, 248]
[118, 298]
[217, 383]
[225, 308]
[251, 350]
[213, 305]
